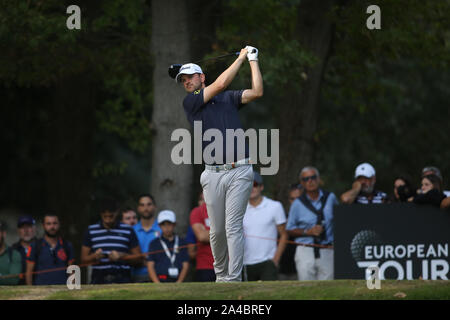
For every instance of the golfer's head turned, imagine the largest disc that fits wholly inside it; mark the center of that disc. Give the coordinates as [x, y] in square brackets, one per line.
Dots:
[191, 77]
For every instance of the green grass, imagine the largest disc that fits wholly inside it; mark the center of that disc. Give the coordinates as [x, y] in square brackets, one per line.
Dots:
[271, 290]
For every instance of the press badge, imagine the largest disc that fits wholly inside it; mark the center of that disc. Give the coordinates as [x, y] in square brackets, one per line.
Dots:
[173, 272]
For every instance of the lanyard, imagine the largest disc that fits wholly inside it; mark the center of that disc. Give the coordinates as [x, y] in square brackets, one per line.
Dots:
[175, 249]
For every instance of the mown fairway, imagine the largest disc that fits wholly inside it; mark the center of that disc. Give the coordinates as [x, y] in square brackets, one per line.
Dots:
[273, 290]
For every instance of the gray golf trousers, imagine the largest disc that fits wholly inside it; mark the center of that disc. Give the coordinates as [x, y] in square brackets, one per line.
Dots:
[226, 195]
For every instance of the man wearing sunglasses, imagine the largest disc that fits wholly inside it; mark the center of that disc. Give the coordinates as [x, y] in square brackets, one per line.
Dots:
[310, 221]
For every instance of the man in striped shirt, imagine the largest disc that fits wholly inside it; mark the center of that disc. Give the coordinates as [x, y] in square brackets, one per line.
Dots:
[110, 246]
[363, 188]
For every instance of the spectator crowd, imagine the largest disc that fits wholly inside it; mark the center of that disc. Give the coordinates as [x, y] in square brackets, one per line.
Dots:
[140, 244]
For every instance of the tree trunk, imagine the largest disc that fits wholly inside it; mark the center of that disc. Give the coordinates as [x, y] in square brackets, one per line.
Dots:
[171, 184]
[298, 117]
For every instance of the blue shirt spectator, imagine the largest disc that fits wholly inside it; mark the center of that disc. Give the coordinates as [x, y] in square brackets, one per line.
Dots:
[302, 218]
[145, 238]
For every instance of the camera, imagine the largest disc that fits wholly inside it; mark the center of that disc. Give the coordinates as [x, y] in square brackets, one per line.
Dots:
[405, 192]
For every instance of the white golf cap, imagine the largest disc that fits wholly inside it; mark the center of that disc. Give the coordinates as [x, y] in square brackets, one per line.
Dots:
[166, 215]
[188, 68]
[365, 170]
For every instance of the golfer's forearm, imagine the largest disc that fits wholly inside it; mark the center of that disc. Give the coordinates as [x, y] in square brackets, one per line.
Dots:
[257, 82]
[224, 80]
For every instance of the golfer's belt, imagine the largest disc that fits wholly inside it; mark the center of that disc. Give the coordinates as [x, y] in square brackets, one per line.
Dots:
[227, 166]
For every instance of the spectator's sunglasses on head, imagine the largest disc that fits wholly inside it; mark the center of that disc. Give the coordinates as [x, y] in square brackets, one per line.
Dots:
[306, 179]
[255, 184]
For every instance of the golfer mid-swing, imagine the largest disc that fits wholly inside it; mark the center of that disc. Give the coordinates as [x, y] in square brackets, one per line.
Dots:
[226, 184]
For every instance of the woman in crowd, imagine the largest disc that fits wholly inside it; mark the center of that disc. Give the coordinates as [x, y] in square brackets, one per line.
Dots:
[430, 191]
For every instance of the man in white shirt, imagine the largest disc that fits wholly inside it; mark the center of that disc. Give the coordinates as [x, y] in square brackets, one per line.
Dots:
[264, 220]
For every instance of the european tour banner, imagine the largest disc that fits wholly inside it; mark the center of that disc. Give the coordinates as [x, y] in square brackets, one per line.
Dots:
[405, 241]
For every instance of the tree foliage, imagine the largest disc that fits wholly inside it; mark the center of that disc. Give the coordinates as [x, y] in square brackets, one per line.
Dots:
[110, 53]
[383, 99]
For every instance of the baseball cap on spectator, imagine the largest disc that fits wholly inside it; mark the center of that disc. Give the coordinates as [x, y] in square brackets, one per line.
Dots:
[257, 178]
[166, 215]
[25, 220]
[434, 170]
[188, 68]
[365, 170]
[3, 226]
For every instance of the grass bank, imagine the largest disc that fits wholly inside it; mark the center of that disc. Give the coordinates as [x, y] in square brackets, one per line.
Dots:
[271, 290]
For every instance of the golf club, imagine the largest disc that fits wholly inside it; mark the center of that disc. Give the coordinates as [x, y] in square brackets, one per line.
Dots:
[175, 68]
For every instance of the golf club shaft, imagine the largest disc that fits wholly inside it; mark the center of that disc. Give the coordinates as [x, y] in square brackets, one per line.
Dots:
[175, 68]
[218, 57]
[222, 56]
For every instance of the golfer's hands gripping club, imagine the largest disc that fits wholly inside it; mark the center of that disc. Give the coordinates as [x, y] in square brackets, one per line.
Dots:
[243, 54]
[252, 53]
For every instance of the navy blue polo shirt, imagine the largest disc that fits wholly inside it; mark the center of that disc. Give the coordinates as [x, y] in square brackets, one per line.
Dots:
[221, 112]
[50, 258]
[162, 262]
[120, 238]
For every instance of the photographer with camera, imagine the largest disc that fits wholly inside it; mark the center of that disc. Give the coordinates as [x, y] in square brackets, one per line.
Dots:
[403, 190]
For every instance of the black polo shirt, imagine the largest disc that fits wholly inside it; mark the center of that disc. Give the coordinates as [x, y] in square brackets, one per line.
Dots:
[120, 238]
[221, 112]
